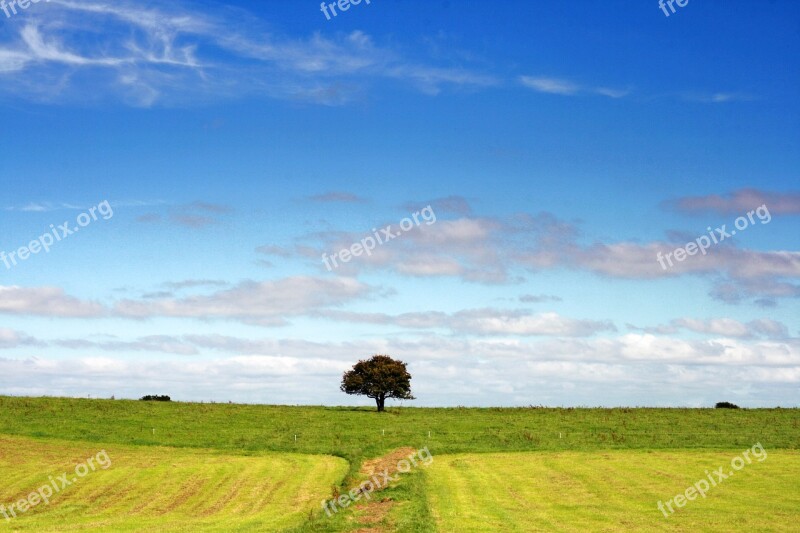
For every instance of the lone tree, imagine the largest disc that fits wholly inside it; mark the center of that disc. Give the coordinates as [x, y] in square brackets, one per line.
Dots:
[380, 377]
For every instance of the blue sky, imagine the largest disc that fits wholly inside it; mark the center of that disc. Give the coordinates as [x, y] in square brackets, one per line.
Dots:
[560, 146]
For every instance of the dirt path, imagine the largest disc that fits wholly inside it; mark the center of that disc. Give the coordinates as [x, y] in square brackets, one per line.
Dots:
[372, 513]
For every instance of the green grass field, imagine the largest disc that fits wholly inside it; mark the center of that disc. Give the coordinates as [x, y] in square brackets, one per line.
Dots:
[531, 469]
[611, 491]
[163, 489]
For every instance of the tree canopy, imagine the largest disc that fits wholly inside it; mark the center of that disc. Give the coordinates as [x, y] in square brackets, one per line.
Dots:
[380, 378]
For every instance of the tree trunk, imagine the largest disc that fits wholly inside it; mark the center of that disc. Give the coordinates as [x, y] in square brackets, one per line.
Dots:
[380, 402]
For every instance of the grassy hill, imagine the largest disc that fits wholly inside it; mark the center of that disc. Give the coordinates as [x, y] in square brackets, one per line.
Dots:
[357, 434]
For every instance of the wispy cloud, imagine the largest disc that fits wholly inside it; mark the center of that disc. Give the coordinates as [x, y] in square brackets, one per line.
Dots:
[566, 87]
[46, 301]
[716, 98]
[337, 197]
[42, 207]
[210, 208]
[550, 85]
[268, 303]
[195, 215]
[274, 250]
[723, 327]
[538, 298]
[10, 338]
[611, 93]
[150, 343]
[739, 202]
[765, 290]
[193, 283]
[486, 321]
[453, 204]
[169, 54]
[46, 206]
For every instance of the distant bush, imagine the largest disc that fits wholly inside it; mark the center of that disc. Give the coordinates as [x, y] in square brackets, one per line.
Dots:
[155, 398]
[726, 405]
